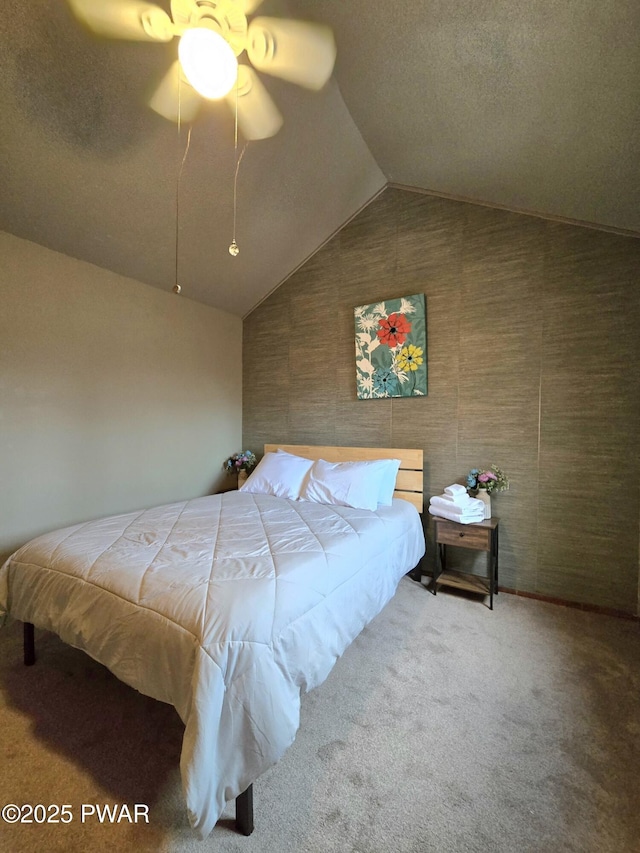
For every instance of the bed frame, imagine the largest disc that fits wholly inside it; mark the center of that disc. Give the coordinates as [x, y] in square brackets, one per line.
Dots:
[409, 487]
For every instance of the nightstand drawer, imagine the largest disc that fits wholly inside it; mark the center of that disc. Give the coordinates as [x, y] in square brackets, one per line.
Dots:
[463, 535]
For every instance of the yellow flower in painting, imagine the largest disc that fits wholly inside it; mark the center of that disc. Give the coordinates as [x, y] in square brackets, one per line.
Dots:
[410, 358]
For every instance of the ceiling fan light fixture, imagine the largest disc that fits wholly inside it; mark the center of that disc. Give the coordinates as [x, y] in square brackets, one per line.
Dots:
[208, 62]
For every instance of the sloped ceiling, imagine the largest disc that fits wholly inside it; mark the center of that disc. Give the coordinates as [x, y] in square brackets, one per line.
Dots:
[528, 104]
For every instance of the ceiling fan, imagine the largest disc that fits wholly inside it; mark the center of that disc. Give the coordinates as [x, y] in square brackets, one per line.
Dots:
[213, 34]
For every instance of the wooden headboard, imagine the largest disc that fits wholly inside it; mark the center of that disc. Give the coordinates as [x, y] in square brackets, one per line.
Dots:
[409, 482]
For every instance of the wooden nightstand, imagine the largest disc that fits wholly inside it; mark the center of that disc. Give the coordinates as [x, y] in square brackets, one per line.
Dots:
[480, 536]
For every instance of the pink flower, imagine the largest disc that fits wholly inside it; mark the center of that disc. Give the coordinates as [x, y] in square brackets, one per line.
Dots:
[486, 476]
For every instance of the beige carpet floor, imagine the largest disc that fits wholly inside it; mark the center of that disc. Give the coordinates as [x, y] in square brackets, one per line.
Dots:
[445, 727]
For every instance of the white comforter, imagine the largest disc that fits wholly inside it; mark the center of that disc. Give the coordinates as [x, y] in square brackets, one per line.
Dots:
[227, 607]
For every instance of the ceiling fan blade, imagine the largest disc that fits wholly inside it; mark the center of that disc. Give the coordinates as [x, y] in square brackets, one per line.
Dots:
[297, 51]
[124, 19]
[258, 116]
[175, 99]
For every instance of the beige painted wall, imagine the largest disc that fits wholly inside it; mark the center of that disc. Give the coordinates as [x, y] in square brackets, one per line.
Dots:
[534, 365]
[113, 395]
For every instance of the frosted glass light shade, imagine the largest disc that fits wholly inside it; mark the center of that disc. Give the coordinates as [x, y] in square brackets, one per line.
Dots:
[208, 62]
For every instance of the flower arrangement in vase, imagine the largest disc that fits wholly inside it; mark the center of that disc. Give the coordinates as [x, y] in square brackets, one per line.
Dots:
[240, 463]
[484, 482]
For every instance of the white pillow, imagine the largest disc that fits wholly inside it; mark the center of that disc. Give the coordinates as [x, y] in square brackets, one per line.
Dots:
[390, 469]
[286, 453]
[279, 474]
[355, 484]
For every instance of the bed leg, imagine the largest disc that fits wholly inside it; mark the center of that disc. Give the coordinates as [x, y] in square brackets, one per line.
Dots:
[416, 573]
[244, 811]
[29, 644]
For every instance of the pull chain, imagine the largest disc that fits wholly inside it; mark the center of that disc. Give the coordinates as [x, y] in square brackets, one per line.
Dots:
[176, 287]
[234, 249]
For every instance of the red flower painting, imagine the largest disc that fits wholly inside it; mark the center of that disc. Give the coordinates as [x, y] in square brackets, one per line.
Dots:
[393, 330]
[391, 348]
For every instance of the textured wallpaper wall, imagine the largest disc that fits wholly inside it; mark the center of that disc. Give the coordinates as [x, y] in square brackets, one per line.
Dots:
[534, 365]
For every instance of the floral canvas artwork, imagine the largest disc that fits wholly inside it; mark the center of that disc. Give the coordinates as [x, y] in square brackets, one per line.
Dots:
[391, 348]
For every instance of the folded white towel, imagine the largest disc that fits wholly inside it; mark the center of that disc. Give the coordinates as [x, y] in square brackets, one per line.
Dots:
[455, 500]
[455, 490]
[465, 518]
[471, 505]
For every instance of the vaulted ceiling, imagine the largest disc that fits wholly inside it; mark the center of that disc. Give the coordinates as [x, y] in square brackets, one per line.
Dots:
[529, 104]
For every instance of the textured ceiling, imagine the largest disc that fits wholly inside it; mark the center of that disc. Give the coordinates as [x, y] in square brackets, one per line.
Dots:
[530, 105]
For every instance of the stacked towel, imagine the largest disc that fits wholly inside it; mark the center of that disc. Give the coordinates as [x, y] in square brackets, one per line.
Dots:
[457, 492]
[456, 505]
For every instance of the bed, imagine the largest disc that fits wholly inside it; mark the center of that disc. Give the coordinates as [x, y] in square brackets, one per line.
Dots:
[228, 606]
